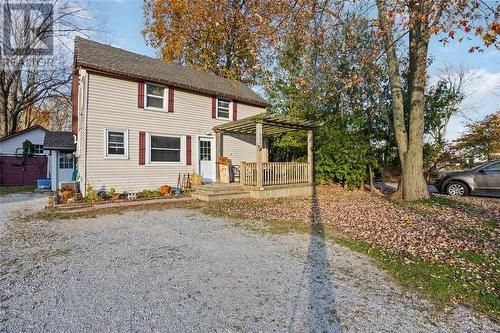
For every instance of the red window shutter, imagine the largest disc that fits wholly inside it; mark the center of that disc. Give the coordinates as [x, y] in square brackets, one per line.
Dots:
[188, 150]
[170, 99]
[214, 107]
[140, 95]
[142, 148]
[235, 110]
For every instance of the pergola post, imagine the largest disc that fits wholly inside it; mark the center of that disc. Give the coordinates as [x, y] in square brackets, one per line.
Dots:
[218, 153]
[310, 156]
[258, 157]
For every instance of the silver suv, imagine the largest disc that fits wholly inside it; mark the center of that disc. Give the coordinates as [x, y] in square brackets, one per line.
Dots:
[483, 179]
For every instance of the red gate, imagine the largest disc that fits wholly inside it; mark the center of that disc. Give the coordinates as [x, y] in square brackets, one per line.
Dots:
[18, 170]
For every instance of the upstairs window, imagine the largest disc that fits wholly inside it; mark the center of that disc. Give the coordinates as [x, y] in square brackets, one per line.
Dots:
[165, 148]
[223, 106]
[155, 97]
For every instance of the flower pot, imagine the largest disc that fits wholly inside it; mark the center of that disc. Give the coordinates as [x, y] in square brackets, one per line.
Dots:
[67, 193]
[115, 196]
[165, 189]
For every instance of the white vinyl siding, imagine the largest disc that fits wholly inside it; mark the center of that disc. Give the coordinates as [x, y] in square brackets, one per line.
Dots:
[113, 105]
[81, 146]
[14, 145]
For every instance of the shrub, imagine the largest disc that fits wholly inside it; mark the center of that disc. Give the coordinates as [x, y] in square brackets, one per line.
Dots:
[150, 193]
[91, 195]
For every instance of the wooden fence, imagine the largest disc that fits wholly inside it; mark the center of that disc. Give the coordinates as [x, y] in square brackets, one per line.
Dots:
[275, 173]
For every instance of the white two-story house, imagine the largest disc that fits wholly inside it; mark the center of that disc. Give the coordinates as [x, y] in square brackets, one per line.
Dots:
[141, 121]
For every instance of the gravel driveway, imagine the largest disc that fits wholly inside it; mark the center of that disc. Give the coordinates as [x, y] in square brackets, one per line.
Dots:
[181, 271]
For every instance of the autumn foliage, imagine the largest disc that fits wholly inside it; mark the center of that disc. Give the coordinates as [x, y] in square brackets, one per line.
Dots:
[482, 140]
[360, 69]
[228, 38]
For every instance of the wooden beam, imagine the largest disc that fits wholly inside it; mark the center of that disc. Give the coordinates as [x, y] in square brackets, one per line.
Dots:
[218, 153]
[258, 148]
[310, 156]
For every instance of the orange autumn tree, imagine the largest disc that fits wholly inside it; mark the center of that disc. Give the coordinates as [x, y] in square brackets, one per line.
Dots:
[482, 139]
[407, 28]
[228, 37]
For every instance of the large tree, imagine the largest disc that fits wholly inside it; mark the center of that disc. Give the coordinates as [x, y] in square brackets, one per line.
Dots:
[230, 38]
[416, 21]
[35, 60]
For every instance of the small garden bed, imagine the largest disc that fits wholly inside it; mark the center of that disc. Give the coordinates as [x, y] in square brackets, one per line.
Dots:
[70, 198]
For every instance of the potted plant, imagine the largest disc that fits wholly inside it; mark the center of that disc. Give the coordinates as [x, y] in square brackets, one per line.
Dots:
[67, 192]
[113, 195]
[164, 190]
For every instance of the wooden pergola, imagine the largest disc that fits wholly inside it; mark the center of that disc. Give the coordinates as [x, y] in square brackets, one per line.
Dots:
[266, 125]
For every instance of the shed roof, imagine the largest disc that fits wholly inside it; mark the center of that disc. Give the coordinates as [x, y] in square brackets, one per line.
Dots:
[58, 140]
[113, 60]
[272, 124]
[29, 129]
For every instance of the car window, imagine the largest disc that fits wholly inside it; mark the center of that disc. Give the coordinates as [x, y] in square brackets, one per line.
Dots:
[493, 167]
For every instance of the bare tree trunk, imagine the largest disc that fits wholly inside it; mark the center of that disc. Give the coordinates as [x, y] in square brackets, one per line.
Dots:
[5, 108]
[415, 186]
[412, 184]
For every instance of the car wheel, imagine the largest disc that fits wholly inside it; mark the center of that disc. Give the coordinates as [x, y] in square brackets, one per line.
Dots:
[457, 189]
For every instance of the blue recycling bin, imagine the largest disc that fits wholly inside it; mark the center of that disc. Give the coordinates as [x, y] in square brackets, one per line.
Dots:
[43, 184]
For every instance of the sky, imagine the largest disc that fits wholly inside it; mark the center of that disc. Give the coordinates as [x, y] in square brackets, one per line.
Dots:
[122, 22]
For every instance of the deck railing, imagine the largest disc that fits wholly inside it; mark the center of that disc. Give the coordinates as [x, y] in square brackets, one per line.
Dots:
[275, 173]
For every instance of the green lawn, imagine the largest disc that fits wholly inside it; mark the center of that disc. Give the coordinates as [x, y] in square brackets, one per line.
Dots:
[16, 189]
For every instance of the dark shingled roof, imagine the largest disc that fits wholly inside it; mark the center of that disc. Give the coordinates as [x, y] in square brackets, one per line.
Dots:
[59, 141]
[105, 58]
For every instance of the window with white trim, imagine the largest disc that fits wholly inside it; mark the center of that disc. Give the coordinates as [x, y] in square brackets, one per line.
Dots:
[66, 160]
[155, 97]
[116, 143]
[38, 149]
[164, 148]
[223, 106]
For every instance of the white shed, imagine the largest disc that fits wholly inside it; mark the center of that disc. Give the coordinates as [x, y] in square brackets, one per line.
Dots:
[13, 144]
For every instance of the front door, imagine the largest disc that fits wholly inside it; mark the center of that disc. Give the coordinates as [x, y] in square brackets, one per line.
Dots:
[206, 154]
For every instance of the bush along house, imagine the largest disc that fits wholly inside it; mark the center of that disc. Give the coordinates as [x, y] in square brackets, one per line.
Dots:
[140, 122]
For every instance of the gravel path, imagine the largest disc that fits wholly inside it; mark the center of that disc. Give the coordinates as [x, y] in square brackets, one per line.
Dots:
[182, 271]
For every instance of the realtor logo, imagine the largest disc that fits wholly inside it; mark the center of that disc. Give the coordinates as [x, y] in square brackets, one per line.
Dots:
[27, 29]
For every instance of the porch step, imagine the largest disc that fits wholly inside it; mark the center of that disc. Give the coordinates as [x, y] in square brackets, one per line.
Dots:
[216, 191]
[216, 187]
[206, 195]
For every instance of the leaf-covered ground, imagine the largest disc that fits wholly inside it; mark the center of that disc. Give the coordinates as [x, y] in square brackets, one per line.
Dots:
[461, 234]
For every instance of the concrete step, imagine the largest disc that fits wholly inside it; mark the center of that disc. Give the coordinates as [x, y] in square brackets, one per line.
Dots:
[212, 196]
